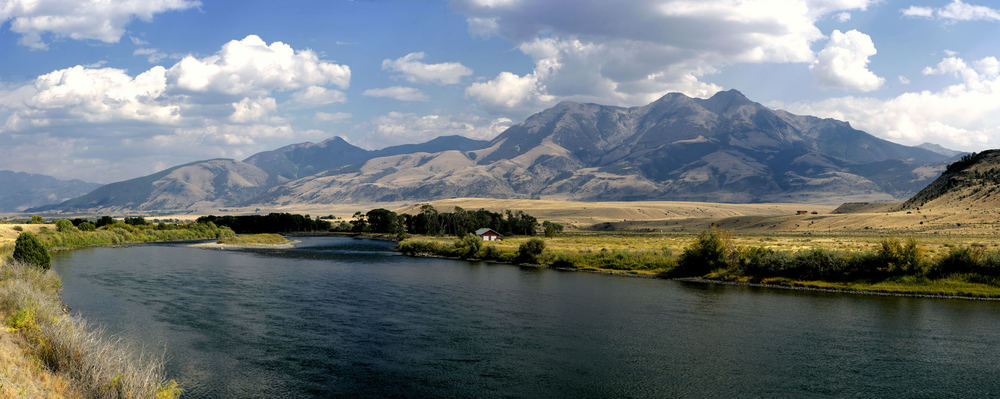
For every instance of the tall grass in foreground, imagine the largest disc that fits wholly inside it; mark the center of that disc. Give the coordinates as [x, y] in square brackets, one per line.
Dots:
[97, 365]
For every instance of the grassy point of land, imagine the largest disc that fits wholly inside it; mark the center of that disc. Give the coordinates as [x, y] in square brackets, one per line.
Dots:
[254, 239]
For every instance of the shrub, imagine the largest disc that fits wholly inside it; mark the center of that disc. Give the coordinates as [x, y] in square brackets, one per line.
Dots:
[416, 247]
[27, 249]
[959, 260]
[764, 262]
[17, 228]
[563, 261]
[64, 225]
[529, 250]
[37, 220]
[899, 259]
[469, 245]
[712, 250]
[820, 264]
[87, 226]
[490, 252]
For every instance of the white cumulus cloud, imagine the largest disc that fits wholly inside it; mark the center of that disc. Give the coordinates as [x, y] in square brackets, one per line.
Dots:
[251, 66]
[413, 70]
[318, 95]
[965, 115]
[630, 53]
[221, 105]
[843, 63]
[253, 110]
[955, 11]
[102, 20]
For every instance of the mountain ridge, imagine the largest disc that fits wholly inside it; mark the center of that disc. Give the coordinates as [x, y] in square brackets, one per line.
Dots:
[725, 148]
[27, 190]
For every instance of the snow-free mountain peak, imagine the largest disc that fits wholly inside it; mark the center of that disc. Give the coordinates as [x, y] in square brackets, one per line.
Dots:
[725, 148]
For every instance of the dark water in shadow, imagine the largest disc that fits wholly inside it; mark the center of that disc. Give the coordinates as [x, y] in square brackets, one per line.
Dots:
[341, 317]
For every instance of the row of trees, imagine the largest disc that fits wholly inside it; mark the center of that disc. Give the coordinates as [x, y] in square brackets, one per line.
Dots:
[458, 222]
[270, 223]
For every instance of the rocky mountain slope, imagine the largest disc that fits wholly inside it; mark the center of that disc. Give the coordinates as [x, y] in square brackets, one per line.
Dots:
[203, 184]
[722, 149]
[973, 181]
[21, 191]
[725, 148]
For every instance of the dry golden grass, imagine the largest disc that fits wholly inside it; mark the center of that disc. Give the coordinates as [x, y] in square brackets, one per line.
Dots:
[584, 214]
[674, 244]
[22, 376]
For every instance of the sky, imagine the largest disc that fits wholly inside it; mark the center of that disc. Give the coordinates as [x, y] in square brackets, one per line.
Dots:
[106, 90]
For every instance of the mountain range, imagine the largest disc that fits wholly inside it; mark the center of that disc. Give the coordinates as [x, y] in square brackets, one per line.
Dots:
[726, 148]
[26, 190]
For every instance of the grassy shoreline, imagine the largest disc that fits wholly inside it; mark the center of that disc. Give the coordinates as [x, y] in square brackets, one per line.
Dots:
[937, 269]
[51, 353]
[59, 354]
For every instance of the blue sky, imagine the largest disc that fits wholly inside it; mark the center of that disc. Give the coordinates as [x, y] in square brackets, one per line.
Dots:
[108, 90]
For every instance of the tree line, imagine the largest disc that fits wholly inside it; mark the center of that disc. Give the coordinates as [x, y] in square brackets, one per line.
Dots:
[270, 223]
[429, 221]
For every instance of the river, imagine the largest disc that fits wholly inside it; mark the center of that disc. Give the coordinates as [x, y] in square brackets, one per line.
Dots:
[344, 317]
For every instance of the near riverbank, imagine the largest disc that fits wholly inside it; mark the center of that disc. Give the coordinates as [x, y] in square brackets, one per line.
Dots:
[46, 352]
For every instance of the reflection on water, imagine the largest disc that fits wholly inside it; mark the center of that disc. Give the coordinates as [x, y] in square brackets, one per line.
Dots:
[346, 317]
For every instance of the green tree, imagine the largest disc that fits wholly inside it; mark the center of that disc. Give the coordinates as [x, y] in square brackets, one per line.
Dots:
[87, 226]
[64, 225]
[530, 250]
[136, 221]
[105, 221]
[552, 229]
[383, 221]
[36, 219]
[27, 249]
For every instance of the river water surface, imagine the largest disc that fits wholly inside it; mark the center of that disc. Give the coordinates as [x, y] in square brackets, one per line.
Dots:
[343, 317]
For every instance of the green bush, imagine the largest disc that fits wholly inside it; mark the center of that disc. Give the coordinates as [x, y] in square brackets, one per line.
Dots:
[712, 250]
[86, 226]
[413, 247]
[28, 250]
[959, 261]
[37, 220]
[898, 259]
[530, 250]
[469, 245]
[490, 252]
[64, 225]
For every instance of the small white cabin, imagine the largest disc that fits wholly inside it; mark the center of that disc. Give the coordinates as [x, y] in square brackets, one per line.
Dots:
[488, 234]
